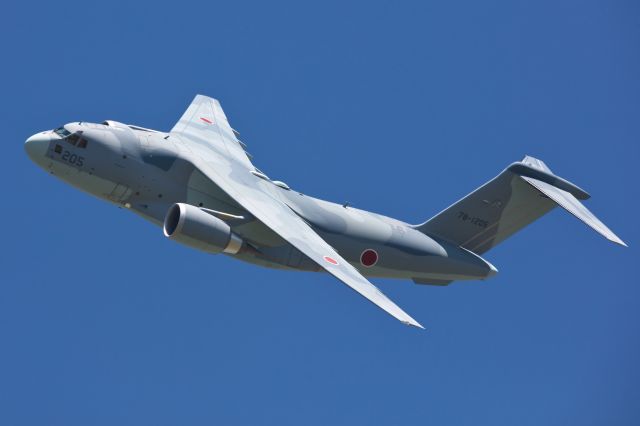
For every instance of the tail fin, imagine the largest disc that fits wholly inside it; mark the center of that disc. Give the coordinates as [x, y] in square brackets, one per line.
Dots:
[522, 193]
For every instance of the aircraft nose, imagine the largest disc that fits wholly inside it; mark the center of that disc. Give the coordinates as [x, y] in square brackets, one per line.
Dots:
[36, 147]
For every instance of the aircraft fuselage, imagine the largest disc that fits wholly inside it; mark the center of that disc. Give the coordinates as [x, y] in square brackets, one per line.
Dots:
[146, 171]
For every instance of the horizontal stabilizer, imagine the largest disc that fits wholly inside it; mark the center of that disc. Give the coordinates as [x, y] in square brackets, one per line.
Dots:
[571, 204]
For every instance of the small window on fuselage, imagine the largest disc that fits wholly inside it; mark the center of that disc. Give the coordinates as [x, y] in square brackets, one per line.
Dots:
[82, 143]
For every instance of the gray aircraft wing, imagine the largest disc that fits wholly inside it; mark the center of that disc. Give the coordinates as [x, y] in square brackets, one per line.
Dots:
[215, 151]
[204, 125]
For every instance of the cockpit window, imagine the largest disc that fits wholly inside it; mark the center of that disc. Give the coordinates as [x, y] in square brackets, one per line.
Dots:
[73, 139]
[62, 132]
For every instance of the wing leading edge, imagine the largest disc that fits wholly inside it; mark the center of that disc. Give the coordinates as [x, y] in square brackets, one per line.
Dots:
[217, 158]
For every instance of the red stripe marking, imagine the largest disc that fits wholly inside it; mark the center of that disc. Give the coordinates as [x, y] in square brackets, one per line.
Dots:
[330, 260]
[206, 120]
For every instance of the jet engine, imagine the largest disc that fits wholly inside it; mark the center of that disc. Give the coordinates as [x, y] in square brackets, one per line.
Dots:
[195, 228]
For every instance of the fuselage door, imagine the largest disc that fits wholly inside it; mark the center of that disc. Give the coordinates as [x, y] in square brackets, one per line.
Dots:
[119, 193]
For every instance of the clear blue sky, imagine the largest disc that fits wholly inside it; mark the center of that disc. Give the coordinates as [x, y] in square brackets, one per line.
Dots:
[399, 108]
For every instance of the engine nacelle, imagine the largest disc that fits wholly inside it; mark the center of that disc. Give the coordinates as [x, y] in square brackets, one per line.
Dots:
[195, 228]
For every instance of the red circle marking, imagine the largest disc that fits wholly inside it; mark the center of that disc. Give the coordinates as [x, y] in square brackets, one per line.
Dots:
[369, 258]
[206, 120]
[330, 260]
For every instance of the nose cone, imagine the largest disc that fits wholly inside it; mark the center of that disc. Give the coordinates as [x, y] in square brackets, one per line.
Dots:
[37, 146]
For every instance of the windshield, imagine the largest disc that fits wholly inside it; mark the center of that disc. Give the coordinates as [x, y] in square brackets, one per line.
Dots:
[74, 139]
[62, 132]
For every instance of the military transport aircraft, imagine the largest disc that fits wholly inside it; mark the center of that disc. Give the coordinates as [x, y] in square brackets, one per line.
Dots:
[198, 182]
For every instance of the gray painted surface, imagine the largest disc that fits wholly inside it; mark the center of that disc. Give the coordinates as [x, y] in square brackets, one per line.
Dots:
[201, 163]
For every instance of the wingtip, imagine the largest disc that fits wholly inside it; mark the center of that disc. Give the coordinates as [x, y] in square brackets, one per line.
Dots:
[622, 243]
[615, 239]
[414, 323]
